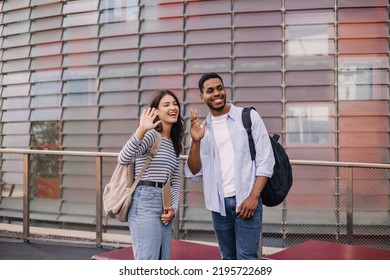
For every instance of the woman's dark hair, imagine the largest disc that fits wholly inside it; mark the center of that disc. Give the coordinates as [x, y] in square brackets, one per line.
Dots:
[206, 77]
[177, 131]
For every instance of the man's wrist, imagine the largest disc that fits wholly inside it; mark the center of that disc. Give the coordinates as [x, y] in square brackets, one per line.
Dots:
[255, 194]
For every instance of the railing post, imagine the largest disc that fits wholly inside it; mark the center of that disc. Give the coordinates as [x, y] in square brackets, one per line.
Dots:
[350, 205]
[26, 197]
[99, 206]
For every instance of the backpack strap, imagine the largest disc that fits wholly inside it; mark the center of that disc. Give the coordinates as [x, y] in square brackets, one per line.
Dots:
[153, 151]
[247, 122]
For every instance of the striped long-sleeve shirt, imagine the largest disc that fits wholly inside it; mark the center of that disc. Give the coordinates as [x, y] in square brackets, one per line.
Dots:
[163, 164]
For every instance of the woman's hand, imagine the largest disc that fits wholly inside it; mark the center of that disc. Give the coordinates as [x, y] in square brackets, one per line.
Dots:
[168, 215]
[146, 122]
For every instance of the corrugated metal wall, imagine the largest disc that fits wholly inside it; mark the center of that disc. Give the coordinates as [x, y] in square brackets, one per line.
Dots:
[317, 71]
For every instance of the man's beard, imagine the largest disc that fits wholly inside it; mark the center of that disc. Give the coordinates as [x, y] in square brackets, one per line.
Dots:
[218, 109]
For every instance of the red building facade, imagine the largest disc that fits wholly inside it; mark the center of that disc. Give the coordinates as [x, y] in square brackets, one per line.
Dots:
[317, 71]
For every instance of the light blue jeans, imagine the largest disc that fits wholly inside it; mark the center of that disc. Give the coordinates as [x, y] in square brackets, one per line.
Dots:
[151, 239]
[238, 239]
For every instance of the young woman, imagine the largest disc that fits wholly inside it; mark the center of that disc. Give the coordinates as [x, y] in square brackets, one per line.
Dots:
[151, 225]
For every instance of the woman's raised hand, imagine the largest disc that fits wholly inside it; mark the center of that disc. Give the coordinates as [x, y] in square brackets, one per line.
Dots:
[146, 122]
[147, 118]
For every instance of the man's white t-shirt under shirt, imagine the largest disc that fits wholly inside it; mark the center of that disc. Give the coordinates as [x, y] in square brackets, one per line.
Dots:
[226, 153]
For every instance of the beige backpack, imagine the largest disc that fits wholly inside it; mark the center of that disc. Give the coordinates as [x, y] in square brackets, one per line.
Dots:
[118, 193]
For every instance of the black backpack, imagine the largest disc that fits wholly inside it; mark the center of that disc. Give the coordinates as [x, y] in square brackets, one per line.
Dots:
[278, 186]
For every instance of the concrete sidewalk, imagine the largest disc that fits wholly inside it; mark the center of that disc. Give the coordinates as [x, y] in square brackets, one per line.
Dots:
[16, 249]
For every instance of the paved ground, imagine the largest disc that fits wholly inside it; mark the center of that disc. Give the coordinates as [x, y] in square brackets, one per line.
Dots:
[16, 249]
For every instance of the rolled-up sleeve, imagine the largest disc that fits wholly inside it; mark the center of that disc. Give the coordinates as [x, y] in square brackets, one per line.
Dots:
[188, 173]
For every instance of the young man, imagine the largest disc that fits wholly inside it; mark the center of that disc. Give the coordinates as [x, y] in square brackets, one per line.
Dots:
[232, 183]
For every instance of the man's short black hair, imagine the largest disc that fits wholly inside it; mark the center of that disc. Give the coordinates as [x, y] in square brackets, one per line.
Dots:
[206, 77]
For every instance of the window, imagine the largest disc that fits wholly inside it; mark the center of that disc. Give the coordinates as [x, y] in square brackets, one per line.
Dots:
[309, 124]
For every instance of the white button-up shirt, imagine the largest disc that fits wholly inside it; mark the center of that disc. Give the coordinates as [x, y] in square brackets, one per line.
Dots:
[245, 169]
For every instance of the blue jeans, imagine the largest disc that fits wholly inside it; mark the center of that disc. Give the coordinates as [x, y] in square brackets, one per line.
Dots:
[238, 239]
[151, 239]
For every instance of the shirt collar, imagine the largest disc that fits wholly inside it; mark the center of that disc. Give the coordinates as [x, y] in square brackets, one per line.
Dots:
[231, 114]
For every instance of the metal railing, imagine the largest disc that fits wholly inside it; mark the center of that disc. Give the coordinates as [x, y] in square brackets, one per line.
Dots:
[336, 201]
